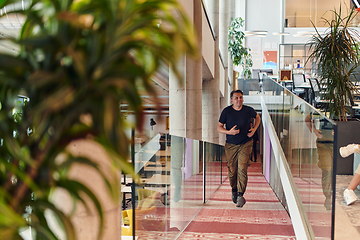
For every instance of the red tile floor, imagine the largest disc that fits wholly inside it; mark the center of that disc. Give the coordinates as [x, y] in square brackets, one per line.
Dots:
[262, 217]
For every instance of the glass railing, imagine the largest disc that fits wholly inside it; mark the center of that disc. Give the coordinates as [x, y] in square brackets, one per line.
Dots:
[177, 175]
[306, 138]
[215, 168]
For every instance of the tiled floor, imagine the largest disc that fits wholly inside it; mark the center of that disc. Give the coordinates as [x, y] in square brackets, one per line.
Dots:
[347, 218]
[262, 217]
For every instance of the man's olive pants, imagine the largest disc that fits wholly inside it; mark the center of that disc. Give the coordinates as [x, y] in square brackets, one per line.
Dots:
[238, 159]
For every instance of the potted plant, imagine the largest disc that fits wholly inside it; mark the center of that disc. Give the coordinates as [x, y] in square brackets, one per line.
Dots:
[336, 53]
[78, 61]
[240, 55]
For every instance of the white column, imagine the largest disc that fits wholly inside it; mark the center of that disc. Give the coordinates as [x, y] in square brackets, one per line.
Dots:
[223, 43]
[177, 100]
[211, 92]
[224, 21]
[223, 30]
[282, 21]
[231, 14]
[185, 101]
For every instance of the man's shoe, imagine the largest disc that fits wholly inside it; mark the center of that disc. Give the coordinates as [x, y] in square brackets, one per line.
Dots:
[234, 196]
[349, 196]
[240, 201]
[327, 203]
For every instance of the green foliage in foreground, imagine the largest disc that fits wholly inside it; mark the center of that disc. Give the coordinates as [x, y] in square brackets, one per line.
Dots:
[78, 61]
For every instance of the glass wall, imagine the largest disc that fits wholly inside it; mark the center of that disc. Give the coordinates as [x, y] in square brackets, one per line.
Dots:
[299, 13]
[177, 175]
[215, 169]
[306, 138]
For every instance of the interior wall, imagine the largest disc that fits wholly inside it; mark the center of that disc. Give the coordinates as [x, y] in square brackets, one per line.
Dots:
[266, 15]
[299, 13]
[263, 15]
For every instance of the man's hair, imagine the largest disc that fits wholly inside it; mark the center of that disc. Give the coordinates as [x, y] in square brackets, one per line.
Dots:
[236, 91]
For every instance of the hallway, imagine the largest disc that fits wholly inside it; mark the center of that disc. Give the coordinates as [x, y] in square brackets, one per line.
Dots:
[262, 217]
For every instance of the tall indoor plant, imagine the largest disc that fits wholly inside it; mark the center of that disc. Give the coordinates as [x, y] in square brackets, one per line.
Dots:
[240, 55]
[337, 55]
[78, 61]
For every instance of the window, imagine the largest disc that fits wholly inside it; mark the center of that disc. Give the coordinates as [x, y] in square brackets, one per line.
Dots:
[301, 13]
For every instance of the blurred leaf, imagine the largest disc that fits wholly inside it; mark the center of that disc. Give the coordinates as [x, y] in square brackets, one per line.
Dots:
[79, 58]
[22, 175]
[65, 221]
[9, 233]
[9, 218]
[112, 188]
[76, 187]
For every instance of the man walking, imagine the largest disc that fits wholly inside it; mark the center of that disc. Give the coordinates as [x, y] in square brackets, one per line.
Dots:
[235, 123]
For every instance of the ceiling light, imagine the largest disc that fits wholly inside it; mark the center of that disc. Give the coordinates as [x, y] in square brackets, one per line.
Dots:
[281, 33]
[305, 33]
[262, 32]
[255, 33]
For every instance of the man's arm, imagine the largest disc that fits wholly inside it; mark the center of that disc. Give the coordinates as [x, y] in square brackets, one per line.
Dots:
[220, 128]
[256, 125]
[257, 121]
[310, 124]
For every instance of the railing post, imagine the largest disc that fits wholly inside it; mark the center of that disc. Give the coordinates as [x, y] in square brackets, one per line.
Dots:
[133, 183]
[335, 147]
[220, 158]
[204, 171]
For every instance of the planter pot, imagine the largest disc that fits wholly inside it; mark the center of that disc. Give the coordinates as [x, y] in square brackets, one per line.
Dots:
[348, 132]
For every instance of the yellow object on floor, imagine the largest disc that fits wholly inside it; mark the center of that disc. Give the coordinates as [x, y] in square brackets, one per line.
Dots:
[127, 219]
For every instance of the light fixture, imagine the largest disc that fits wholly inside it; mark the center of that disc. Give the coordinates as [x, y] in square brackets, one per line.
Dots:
[255, 33]
[260, 32]
[152, 123]
[303, 35]
[281, 33]
[306, 34]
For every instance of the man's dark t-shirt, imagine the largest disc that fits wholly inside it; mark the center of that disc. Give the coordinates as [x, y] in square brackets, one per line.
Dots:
[242, 118]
